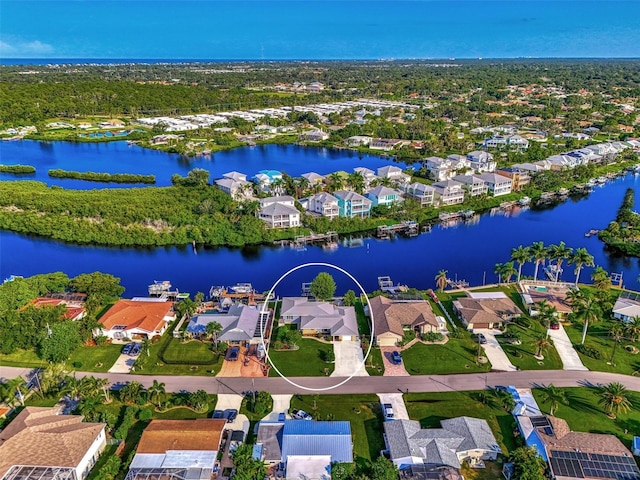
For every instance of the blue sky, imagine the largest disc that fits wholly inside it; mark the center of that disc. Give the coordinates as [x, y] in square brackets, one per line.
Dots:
[318, 29]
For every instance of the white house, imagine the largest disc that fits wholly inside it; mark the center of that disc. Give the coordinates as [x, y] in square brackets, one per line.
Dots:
[481, 161]
[234, 184]
[393, 173]
[137, 319]
[497, 184]
[475, 185]
[448, 192]
[313, 178]
[421, 192]
[627, 307]
[368, 175]
[279, 212]
[358, 140]
[325, 204]
[324, 318]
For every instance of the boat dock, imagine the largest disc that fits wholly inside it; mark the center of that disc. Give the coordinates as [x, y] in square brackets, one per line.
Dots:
[329, 237]
[409, 228]
[386, 285]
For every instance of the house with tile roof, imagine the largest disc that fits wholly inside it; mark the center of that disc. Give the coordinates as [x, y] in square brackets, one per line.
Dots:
[460, 439]
[485, 310]
[137, 319]
[319, 318]
[40, 442]
[171, 446]
[392, 319]
[73, 310]
[240, 324]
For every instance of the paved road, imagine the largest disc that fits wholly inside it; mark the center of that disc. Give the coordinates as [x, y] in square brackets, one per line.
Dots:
[414, 383]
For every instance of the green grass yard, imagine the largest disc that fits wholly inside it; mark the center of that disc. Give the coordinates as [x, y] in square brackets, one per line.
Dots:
[455, 356]
[522, 356]
[84, 358]
[305, 362]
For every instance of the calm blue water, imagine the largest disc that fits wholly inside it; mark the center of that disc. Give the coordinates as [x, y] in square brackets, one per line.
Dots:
[119, 157]
[468, 252]
[319, 29]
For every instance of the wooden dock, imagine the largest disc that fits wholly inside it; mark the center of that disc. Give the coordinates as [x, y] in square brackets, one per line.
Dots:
[329, 237]
[409, 228]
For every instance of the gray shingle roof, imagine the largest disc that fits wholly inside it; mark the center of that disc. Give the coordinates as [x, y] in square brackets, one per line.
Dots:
[475, 432]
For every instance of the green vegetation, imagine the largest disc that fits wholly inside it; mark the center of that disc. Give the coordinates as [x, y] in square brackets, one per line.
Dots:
[528, 464]
[623, 234]
[458, 355]
[323, 287]
[299, 357]
[256, 407]
[522, 355]
[103, 177]
[431, 408]
[17, 169]
[584, 412]
[363, 411]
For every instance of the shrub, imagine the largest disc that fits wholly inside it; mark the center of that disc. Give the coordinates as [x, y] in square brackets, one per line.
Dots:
[77, 364]
[145, 414]
[101, 340]
[589, 351]
[433, 337]
[455, 333]
[523, 322]
[127, 421]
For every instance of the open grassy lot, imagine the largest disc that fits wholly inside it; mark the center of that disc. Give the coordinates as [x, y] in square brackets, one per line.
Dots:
[21, 358]
[598, 337]
[363, 411]
[374, 364]
[307, 361]
[84, 358]
[431, 408]
[458, 355]
[583, 414]
[522, 356]
[193, 351]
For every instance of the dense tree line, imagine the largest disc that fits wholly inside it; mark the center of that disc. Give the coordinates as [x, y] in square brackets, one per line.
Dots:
[623, 233]
[17, 169]
[103, 177]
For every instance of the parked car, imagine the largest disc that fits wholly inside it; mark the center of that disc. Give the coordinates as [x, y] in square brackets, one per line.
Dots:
[554, 325]
[127, 348]
[387, 409]
[230, 414]
[480, 338]
[233, 354]
[218, 414]
[301, 415]
[396, 358]
[135, 350]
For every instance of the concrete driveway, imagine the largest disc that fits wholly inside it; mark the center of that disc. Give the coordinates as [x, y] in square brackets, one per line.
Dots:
[123, 364]
[568, 355]
[281, 404]
[493, 351]
[227, 401]
[397, 402]
[349, 359]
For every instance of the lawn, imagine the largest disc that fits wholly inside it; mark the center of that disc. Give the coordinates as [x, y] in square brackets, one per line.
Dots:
[522, 356]
[307, 361]
[21, 358]
[374, 364]
[194, 351]
[431, 408]
[583, 414]
[362, 411]
[598, 337]
[364, 324]
[95, 359]
[458, 355]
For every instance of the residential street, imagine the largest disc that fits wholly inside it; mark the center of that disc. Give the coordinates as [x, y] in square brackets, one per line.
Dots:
[415, 383]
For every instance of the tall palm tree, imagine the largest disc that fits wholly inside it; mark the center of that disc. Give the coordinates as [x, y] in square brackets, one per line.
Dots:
[17, 387]
[587, 308]
[156, 393]
[553, 396]
[132, 392]
[539, 254]
[508, 271]
[498, 269]
[600, 279]
[541, 343]
[546, 312]
[580, 258]
[441, 280]
[356, 180]
[559, 253]
[617, 334]
[521, 255]
[214, 329]
[614, 397]
[336, 182]
[632, 329]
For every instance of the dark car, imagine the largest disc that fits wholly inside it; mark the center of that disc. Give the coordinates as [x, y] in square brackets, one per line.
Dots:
[480, 338]
[127, 348]
[135, 350]
[233, 354]
[554, 325]
[218, 414]
[230, 414]
[396, 358]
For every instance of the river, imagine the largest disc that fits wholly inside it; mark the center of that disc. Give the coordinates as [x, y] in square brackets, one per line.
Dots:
[467, 251]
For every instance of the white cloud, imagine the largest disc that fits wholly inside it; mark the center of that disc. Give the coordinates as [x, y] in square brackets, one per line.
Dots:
[20, 48]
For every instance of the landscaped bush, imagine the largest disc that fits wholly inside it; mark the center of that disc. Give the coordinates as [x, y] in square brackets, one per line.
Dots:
[145, 414]
[589, 351]
[432, 337]
[127, 421]
[408, 336]
[523, 322]
[455, 333]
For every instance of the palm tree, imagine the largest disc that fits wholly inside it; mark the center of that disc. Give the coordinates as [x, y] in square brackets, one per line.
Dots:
[541, 343]
[508, 271]
[616, 333]
[51, 377]
[213, 330]
[500, 398]
[156, 393]
[498, 269]
[559, 253]
[554, 396]
[546, 312]
[17, 388]
[539, 254]
[335, 182]
[632, 329]
[614, 397]
[132, 392]
[600, 279]
[586, 308]
[441, 280]
[580, 258]
[521, 255]
[356, 180]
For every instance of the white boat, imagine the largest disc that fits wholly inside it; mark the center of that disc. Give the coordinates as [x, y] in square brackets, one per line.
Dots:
[242, 288]
[524, 201]
[158, 287]
[552, 271]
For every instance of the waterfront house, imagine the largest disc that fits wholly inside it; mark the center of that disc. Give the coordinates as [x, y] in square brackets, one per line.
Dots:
[392, 319]
[497, 184]
[515, 142]
[460, 439]
[240, 324]
[352, 204]
[319, 318]
[393, 173]
[384, 196]
[481, 161]
[72, 302]
[420, 192]
[136, 319]
[39, 443]
[448, 192]
[473, 184]
[519, 179]
[306, 449]
[358, 140]
[385, 144]
[368, 175]
[313, 178]
[439, 169]
[627, 306]
[529, 168]
[485, 310]
[234, 184]
[265, 180]
[555, 295]
[169, 446]
[325, 204]
[314, 136]
[279, 212]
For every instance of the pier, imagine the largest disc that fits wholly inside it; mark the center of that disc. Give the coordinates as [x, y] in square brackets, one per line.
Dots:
[329, 238]
[386, 285]
[409, 228]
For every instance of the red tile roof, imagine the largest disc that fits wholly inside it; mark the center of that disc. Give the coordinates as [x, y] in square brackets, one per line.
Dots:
[148, 316]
